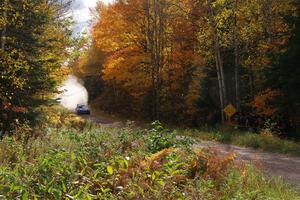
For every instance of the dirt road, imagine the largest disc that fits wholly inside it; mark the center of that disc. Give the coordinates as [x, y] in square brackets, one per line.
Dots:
[272, 164]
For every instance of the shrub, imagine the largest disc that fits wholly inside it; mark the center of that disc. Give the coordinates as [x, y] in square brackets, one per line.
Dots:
[250, 140]
[160, 138]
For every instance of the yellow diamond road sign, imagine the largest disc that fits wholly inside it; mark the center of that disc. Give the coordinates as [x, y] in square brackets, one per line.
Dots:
[230, 110]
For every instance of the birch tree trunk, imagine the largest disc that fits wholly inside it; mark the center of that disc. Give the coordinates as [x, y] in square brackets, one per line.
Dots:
[221, 71]
[219, 62]
[221, 95]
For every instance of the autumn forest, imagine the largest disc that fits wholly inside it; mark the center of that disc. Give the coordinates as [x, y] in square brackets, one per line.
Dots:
[175, 99]
[185, 61]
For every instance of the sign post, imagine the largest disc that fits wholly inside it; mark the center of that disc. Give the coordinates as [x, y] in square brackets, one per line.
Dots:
[230, 110]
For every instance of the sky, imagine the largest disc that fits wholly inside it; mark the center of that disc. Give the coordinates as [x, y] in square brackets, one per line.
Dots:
[81, 13]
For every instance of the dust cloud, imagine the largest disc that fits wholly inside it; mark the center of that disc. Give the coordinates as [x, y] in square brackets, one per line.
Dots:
[73, 93]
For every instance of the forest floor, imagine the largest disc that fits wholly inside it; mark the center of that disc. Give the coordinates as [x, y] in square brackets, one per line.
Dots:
[272, 164]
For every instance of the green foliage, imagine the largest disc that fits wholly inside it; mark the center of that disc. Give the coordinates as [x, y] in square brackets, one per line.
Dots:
[109, 163]
[284, 73]
[161, 138]
[34, 38]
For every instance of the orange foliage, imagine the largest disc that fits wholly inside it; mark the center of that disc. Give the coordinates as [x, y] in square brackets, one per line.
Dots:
[121, 33]
[261, 102]
[125, 65]
[217, 164]
[155, 53]
[18, 109]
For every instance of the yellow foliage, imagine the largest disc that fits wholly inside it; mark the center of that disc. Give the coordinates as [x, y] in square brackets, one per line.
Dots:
[150, 161]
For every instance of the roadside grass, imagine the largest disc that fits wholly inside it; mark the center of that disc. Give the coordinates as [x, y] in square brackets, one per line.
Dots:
[92, 162]
[228, 135]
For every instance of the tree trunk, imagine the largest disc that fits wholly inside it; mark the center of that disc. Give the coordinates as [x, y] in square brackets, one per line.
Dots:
[251, 83]
[160, 49]
[267, 22]
[150, 49]
[6, 125]
[158, 30]
[3, 41]
[221, 95]
[156, 44]
[157, 58]
[219, 63]
[3, 34]
[222, 72]
[236, 62]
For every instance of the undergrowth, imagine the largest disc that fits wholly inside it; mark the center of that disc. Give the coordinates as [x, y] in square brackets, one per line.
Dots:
[92, 162]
